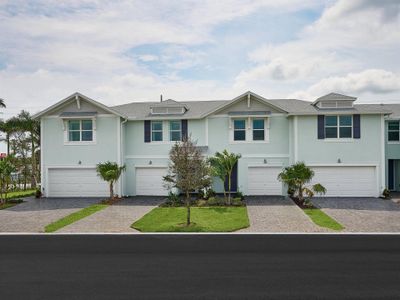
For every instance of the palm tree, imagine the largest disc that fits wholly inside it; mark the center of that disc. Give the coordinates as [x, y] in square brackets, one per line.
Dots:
[110, 172]
[8, 127]
[223, 164]
[296, 177]
[2, 103]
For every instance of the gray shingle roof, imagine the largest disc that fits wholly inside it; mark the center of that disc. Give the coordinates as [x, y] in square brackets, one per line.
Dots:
[195, 109]
[301, 107]
[335, 97]
[394, 108]
[198, 109]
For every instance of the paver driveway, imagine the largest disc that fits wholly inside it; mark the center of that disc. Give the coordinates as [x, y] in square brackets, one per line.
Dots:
[34, 214]
[362, 214]
[277, 214]
[115, 218]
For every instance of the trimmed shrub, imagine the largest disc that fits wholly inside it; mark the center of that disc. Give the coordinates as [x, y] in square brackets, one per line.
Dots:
[202, 202]
[237, 201]
[173, 200]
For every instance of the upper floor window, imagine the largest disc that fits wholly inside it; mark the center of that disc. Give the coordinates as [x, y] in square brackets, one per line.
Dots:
[175, 131]
[258, 129]
[80, 130]
[157, 131]
[338, 126]
[393, 131]
[239, 130]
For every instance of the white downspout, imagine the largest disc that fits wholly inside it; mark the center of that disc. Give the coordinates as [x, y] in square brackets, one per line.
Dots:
[121, 155]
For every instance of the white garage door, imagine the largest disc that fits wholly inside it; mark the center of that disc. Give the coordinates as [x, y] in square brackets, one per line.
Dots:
[355, 181]
[149, 181]
[263, 181]
[76, 183]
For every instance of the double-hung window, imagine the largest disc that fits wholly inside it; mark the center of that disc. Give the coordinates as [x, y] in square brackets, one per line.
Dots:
[393, 131]
[80, 130]
[258, 129]
[239, 130]
[156, 131]
[175, 131]
[338, 127]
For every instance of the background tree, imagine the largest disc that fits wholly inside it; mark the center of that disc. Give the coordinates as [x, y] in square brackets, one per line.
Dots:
[6, 170]
[296, 177]
[25, 123]
[20, 147]
[2, 103]
[8, 128]
[223, 164]
[110, 172]
[188, 171]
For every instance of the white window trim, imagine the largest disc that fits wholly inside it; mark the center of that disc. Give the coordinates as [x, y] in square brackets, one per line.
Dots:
[170, 130]
[67, 142]
[151, 131]
[249, 130]
[165, 133]
[338, 138]
[388, 130]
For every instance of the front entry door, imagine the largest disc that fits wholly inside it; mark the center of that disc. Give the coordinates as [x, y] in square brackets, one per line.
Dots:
[234, 180]
[391, 174]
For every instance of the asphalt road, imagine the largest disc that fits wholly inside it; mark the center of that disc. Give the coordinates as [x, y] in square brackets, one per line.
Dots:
[200, 267]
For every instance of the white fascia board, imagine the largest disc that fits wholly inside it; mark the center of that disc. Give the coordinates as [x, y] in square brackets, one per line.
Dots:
[73, 98]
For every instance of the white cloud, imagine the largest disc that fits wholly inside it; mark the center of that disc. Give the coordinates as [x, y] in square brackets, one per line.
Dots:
[372, 81]
[349, 37]
[53, 48]
[148, 57]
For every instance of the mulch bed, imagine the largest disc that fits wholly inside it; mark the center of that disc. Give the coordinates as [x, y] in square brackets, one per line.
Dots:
[302, 205]
[111, 201]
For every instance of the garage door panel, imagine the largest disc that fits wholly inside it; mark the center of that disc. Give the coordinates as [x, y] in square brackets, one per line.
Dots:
[354, 181]
[76, 182]
[263, 181]
[149, 181]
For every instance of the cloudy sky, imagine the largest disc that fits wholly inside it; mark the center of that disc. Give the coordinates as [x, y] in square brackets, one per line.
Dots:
[123, 51]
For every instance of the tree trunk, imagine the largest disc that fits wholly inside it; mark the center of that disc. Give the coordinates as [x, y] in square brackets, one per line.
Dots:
[301, 200]
[187, 209]
[8, 144]
[111, 190]
[33, 163]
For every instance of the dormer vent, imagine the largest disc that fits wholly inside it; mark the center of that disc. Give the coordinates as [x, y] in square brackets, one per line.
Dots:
[334, 101]
[168, 107]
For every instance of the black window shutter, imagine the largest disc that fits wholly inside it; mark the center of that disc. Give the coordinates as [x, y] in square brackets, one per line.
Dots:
[356, 127]
[184, 125]
[147, 131]
[321, 127]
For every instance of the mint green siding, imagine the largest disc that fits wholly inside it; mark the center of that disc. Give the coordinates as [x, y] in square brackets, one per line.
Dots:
[56, 153]
[367, 149]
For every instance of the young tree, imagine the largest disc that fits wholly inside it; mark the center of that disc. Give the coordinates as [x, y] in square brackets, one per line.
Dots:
[223, 164]
[6, 170]
[296, 177]
[188, 171]
[110, 172]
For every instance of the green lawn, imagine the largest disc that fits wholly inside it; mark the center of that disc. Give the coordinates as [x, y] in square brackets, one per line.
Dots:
[76, 216]
[204, 219]
[7, 205]
[322, 219]
[21, 194]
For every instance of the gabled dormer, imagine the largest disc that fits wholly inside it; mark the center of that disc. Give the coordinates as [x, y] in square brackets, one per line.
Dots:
[168, 107]
[334, 101]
